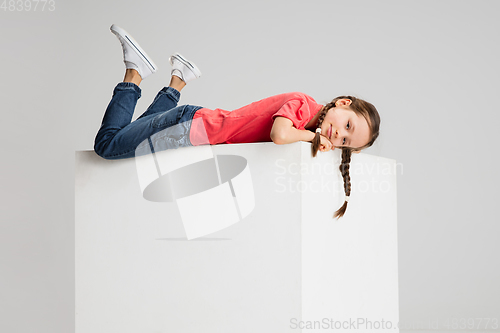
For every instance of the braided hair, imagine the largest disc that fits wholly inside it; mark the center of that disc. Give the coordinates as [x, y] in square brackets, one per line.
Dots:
[370, 113]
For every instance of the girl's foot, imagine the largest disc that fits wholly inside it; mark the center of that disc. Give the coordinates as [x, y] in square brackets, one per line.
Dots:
[184, 69]
[134, 56]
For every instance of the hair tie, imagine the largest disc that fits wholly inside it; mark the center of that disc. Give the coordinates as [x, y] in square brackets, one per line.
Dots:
[347, 198]
[318, 130]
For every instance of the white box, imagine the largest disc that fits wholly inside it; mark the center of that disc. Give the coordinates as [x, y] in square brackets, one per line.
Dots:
[285, 267]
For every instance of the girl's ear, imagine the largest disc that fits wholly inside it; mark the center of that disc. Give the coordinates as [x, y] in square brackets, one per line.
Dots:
[343, 101]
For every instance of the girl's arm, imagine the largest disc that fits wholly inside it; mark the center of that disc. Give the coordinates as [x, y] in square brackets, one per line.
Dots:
[284, 132]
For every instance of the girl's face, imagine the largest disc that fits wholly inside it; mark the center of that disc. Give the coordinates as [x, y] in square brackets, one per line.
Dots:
[344, 128]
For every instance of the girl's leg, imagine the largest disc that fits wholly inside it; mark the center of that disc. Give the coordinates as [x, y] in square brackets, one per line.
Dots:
[119, 138]
[125, 95]
[153, 133]
[167, 98]
[118, 115]
[183, 71]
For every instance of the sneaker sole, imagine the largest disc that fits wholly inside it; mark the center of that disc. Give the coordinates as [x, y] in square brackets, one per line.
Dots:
[131, 41]
[187, 63]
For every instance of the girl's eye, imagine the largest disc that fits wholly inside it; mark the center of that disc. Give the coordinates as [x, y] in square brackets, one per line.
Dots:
[343, 141]
[348, 125]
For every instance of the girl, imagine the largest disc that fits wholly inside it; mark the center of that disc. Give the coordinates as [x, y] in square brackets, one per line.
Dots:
[346, 122]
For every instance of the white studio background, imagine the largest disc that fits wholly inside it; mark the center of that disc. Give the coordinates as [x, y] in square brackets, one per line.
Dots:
[430, 67]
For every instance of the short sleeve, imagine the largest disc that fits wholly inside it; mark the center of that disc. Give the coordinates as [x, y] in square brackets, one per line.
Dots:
[297, 111]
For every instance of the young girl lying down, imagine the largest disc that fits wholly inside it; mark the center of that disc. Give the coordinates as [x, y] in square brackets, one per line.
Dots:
[348, 123]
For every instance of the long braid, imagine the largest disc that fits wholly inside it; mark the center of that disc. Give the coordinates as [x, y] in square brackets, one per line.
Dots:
[344, 170]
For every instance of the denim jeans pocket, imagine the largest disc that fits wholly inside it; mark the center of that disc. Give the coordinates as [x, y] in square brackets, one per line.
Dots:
[168, 118]
[172, 137]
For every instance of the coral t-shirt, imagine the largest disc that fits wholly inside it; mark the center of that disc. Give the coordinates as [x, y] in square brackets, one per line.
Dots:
[253, 122]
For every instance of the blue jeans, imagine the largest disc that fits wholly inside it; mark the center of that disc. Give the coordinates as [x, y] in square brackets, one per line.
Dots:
[118, 137]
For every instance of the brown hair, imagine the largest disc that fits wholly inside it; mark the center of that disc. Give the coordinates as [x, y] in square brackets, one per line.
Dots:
[370, 113]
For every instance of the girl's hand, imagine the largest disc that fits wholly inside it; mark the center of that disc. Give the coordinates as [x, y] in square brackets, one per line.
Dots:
[325, 144]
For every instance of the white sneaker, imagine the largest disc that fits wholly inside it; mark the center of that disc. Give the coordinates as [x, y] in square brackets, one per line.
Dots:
[134, 56]
[183, 68]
